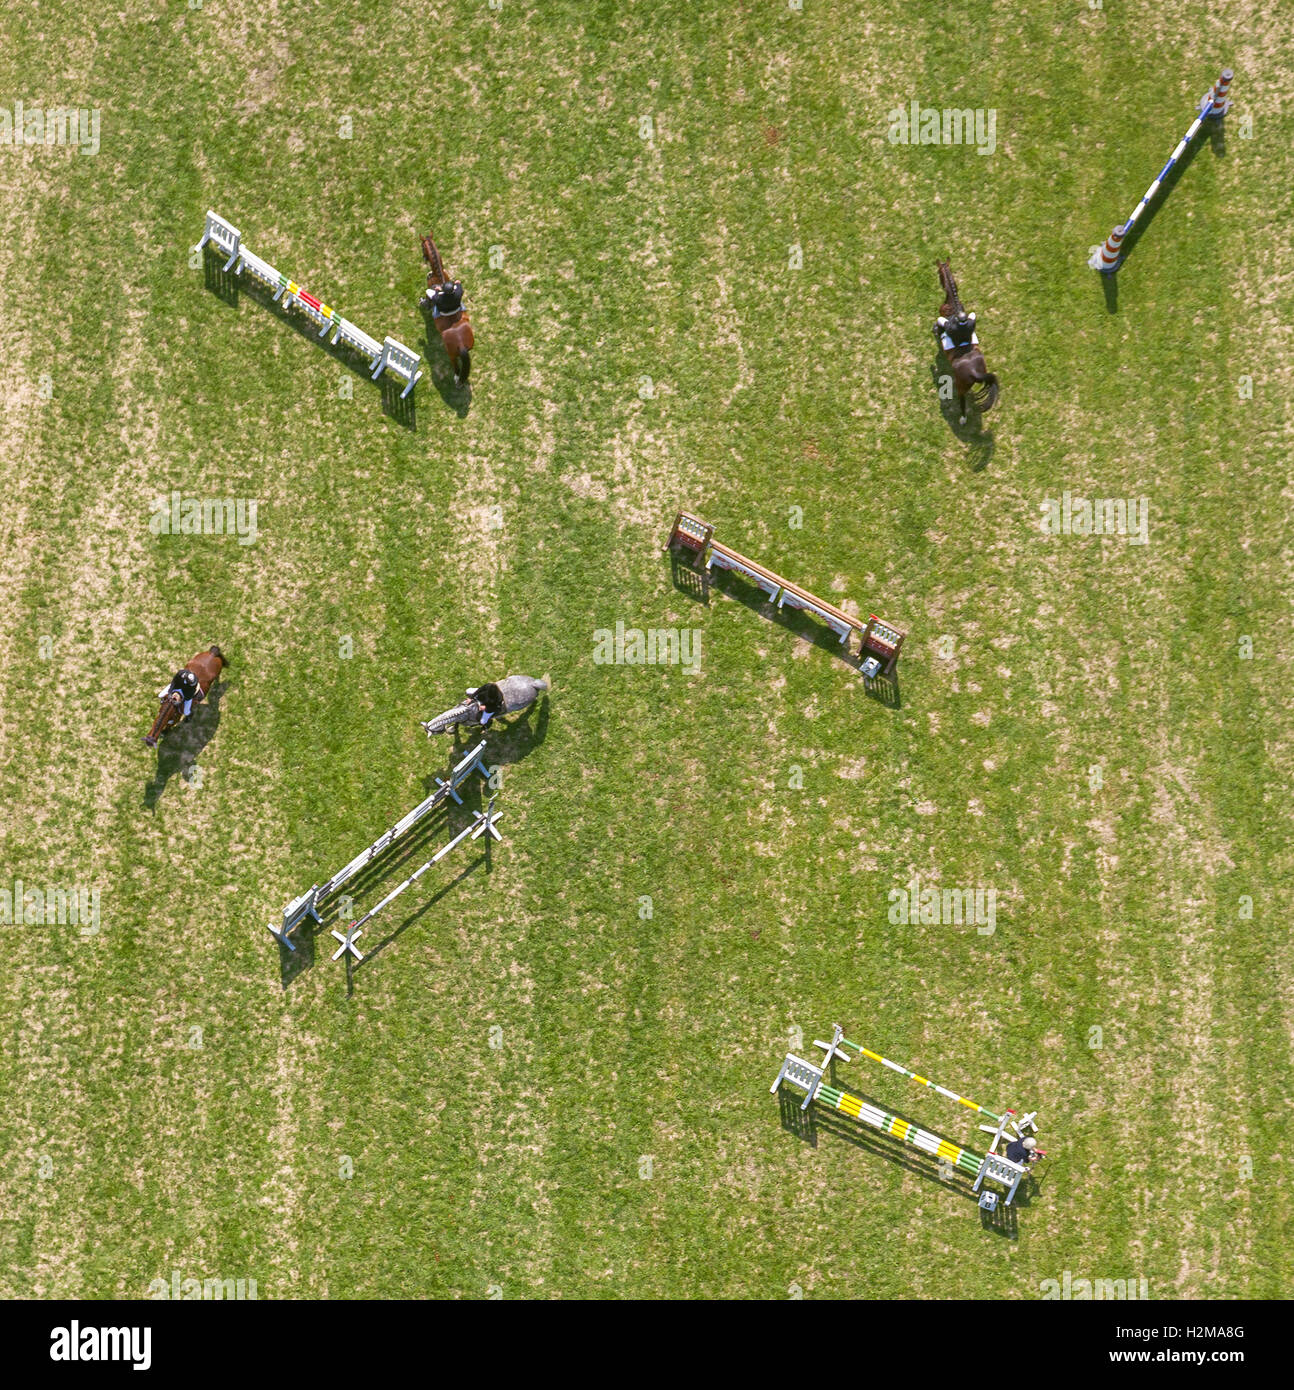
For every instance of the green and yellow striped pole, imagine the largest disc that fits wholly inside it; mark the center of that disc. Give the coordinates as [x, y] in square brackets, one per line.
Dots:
[858, 1109]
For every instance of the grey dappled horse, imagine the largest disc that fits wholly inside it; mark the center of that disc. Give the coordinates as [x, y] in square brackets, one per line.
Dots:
[518, 692]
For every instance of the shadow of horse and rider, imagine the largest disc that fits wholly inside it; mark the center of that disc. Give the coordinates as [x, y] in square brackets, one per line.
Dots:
[199, 682]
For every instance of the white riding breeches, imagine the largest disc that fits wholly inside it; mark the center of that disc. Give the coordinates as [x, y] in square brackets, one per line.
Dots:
[947, 343]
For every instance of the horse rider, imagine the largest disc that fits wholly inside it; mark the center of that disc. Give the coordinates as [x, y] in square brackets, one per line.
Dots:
[445, 299]
[957, 333]
[490, 699]
[187, 684]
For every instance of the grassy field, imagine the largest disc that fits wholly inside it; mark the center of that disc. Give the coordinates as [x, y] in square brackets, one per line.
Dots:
[543, 1085]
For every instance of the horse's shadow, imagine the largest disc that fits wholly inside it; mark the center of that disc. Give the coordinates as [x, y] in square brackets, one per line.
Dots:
[181, 746]
[980, 442]
[511, 737]
[458, 398]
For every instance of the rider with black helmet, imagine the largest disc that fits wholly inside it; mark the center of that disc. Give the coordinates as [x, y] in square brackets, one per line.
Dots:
[446, 299]
[957, 333]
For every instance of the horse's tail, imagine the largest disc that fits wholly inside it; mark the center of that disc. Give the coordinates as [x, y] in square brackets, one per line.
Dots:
[986, 397]
[544, 683]
[219, 655]
[464, 365]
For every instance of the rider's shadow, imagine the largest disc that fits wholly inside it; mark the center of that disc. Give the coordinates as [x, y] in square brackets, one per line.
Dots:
[457, 398]
[181, 746]
[980, 442]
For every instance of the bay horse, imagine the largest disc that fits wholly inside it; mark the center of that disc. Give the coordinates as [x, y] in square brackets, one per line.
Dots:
[206, 666]
[970, 376]
[455, 329]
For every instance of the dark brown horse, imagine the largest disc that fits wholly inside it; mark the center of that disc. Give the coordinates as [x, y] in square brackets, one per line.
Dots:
[455, 329]
[206, 666]
[970, 377]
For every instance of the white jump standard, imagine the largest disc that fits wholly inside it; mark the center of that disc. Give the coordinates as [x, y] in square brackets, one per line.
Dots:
[307, 905]
[481, 824]
[390, 353]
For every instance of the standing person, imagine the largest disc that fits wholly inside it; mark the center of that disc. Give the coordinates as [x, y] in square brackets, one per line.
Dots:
[1022, 1150]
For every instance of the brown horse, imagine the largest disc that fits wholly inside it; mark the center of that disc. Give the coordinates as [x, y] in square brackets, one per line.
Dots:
[455, 329]
[206, 666]
[970, 376]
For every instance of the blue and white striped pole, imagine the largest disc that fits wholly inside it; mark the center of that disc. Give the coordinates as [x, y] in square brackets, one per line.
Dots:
[1215, 103]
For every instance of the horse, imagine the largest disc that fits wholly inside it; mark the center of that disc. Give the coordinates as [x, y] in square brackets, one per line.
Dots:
[455, 329]
[518, 692]
[970, 376]
[206, 666]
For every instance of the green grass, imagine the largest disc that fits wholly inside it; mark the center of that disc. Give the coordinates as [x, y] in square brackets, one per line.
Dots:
[1123, 993]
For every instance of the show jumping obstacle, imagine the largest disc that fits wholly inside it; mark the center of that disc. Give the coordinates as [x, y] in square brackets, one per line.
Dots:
[389, 353]
[879, 641]
[1213, 106]
[307, 905]
[811, 1080]
[481, 824]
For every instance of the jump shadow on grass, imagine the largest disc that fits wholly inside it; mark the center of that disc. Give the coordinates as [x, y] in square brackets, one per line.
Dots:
[228, 287]
[458, 398]
[181, 746]
[806, 1125]
[372, 882]
[369, 885]
[689, 580]
[1217, 140]
[979, 442]
[884, 689]
[353, 967]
